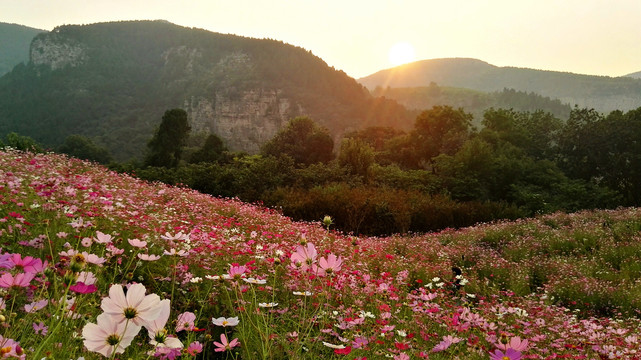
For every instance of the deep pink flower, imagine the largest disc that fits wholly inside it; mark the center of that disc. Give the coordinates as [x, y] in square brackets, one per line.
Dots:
[194, 348]
[82, 288]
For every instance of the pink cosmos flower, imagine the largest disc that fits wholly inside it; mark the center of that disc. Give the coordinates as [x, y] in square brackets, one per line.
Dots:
[40, 329]
[447, 341]
[20, 280]
[93, 258]
[11, 348]
[109, 335]
[185, 321]
[82, 288]
[148, 257]
[173, 251]
[236, 271]
[194, 348]
[87, 277]
[35, 306]
[135, 306]
[509, 354]
[328, 266]
[27, 264]
[137, 243]
[103, 238]
[515, 343]
[304, 256]
[224, 344]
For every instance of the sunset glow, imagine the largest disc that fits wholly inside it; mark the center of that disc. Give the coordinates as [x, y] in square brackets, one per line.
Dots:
[401, 53]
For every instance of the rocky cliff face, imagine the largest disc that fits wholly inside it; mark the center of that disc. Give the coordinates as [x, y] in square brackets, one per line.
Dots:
[57, 52]
[244, 121]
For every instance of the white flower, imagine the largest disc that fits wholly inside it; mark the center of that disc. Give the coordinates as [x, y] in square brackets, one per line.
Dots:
[333, 346]
[255, 281]
[306, 293]
[268, 305]
[224, 322]
[135, 306]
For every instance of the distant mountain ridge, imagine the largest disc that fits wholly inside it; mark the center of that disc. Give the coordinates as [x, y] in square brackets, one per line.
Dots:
[600, 92]
[113, 81]
[14, 45]
[636, 75]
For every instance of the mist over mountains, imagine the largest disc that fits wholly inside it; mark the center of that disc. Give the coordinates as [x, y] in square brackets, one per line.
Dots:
[602, 93]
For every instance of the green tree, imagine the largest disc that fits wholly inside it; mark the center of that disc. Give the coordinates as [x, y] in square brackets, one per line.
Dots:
[356, 155]
[440, 130]
[83, 148]
[212, 150]
[165, 148]
[24, 143]
[302, 140]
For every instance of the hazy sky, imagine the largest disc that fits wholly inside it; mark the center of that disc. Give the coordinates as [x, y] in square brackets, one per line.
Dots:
[597, 37]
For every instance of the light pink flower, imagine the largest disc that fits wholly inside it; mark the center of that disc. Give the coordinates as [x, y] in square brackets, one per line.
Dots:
[515, 343]
[236, 271]
[87, 277]
[35, 306]
[224, 344]
[185, 321]
[304, 256]
[109, 335]
[135, 306]
[328, 266]
[148, 257]
[137, 243]
[93, 258]
[20, 280]
[103, 238]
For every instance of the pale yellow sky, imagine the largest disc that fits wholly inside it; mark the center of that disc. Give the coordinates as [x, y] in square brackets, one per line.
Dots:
[596, 37]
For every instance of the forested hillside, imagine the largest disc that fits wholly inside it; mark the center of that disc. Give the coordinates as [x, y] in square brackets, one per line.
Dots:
[112, 82]
[14, 45]
[473, 101]
[603, 93]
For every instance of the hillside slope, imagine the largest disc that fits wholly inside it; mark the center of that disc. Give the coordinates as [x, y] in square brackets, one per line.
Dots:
[602, 93]
[297, 290]
[14, 45]
[113, 82]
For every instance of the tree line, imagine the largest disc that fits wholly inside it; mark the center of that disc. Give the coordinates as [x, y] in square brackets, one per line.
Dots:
[442, 173]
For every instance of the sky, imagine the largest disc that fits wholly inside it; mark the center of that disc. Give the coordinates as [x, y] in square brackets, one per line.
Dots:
[595, 37]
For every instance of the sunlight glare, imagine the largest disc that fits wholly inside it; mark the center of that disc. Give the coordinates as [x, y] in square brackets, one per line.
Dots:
[401, 53]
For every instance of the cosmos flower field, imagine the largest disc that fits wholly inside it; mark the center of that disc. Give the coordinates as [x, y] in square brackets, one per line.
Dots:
[96, 265]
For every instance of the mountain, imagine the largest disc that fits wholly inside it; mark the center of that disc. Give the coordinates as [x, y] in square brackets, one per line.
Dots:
[636, 75]
[14, 45]
[113, 81]
[472, 101]
[599, 92]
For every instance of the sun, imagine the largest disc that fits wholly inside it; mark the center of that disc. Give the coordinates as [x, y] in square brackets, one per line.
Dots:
[401, 53]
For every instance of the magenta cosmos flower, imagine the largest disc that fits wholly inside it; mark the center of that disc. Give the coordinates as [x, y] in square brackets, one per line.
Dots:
[509, 354]
[108, 335]
[135, 306]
